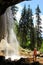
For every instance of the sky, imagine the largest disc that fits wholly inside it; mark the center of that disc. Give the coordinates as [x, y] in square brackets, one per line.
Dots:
[33, 5]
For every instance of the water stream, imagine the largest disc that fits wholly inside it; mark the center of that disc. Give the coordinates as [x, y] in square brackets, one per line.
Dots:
[10, 43]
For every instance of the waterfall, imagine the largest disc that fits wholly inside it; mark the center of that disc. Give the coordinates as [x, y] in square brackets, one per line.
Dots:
[10, 44]
[12, 40]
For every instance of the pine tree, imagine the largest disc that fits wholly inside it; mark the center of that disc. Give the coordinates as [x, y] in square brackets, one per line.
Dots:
[38, 28]
[27, 28]
[22, 28]
[31, 29]
[14, 11]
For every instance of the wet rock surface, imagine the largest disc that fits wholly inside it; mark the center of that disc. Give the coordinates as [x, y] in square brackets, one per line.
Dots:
[21, 61]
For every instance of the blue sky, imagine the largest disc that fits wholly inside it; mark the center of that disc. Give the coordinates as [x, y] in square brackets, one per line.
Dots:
[33, 4]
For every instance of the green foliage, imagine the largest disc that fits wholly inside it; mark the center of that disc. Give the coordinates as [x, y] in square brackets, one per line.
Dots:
[38, 28]
[31, 30]
[14, 11]
[28, 35]
[23, 28]
[26, 29]
[41, 49]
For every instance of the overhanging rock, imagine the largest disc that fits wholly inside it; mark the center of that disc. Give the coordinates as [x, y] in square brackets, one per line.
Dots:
[6, 3]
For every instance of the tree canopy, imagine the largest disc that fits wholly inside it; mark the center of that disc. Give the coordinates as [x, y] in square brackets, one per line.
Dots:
[28, 35]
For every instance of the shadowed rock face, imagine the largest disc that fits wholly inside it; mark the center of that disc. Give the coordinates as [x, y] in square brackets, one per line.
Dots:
[6, 3]
[21, 61]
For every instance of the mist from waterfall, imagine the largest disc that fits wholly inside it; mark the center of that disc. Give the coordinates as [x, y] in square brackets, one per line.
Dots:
[11, 43]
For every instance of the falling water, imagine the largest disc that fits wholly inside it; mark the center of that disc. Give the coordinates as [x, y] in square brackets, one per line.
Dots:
[11, 34]
[11, 44]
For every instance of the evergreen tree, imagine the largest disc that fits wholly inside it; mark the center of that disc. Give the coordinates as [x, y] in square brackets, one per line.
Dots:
[14, 11]
[38, 28]
[27, 28]
[31, 29]
[22, 28]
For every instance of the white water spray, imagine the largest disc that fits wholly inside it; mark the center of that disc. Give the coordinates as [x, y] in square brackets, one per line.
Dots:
[11, 34]
[10, 43]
